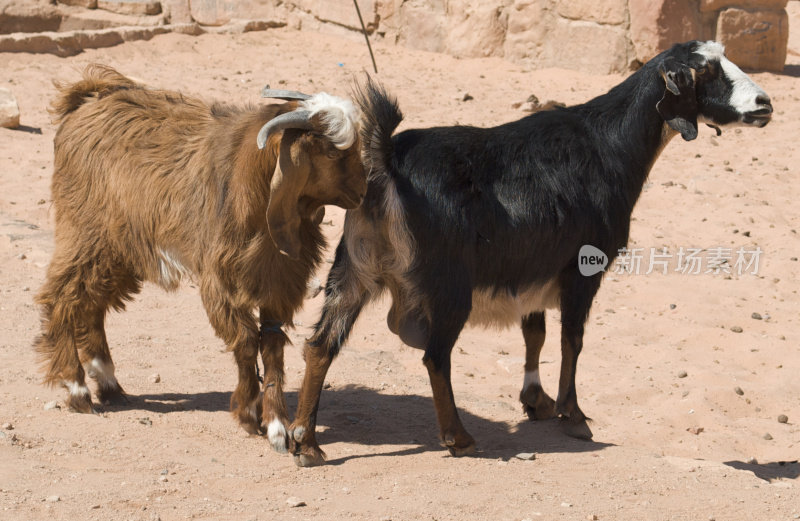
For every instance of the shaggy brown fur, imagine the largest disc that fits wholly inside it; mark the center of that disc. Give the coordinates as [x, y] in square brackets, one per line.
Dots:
[151, 185]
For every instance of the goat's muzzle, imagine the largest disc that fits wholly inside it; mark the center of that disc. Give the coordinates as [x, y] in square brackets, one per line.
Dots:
[761, 116]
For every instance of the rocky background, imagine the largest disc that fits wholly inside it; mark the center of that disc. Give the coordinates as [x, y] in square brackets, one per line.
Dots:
[600, 36]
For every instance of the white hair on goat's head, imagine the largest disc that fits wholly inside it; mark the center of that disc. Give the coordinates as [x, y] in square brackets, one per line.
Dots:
[340, 117]
[711, 49]
[743, 94]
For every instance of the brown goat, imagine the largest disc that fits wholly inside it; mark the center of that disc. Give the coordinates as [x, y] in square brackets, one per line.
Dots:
[151, 185]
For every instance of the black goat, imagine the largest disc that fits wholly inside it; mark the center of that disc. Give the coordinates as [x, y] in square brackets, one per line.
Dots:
[485, 225]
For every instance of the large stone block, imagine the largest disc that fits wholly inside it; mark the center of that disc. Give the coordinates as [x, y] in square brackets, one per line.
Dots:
[716, 5]
[89, 4]
[754, 39]
[658, 24]
[587, 46]
[341, 12]
[422, 25]
[177, 11]
[475, 28]
[137, 7]
[528, 26]
[9, 110]
[210, 12]
[611, 12]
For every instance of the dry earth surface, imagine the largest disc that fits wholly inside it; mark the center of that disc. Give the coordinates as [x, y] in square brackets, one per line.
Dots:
[673, 439]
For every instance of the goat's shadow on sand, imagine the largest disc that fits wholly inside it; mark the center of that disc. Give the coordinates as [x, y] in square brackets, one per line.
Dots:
[769, 471]
[359, 415]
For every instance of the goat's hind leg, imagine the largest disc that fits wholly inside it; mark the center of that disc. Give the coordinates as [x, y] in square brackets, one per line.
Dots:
[96, 359]
[275, 417]
[110, 285]
[61, 299]
[535, 402]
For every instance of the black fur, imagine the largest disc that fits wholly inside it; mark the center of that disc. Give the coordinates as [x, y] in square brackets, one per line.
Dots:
[507, 208]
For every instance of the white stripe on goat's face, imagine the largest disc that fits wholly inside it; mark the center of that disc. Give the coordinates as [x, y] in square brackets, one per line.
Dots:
[725, 94]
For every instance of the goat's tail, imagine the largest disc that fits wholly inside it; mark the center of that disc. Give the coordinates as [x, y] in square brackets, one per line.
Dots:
[381, 115]
[98, 81]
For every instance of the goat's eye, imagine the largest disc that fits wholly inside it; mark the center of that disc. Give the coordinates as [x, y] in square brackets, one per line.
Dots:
[702, 71]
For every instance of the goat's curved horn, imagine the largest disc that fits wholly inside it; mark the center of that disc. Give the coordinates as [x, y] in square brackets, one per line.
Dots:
[288, 95]
[299, 119]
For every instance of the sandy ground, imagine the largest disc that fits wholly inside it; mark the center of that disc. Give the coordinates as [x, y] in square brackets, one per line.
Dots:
[673, 440]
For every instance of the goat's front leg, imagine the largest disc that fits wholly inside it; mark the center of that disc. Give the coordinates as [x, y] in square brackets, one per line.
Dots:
[345, 296]
[452, 433]
[535, 402]
[237, 327]
[275, 417]
[302, 436]
[576, 300]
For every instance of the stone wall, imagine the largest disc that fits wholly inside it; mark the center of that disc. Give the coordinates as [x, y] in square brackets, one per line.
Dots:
[595, 35]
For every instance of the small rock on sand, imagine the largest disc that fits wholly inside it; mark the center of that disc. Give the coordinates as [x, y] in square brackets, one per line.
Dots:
[295, 502]
[783, 418]
[155, 378]
[49, 406]
[526, 456]
[737, 329]
[738, 390]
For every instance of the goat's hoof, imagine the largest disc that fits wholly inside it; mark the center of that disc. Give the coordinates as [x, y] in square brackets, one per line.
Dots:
[112, 396]
[81, 404]
[310, 458]
[459, 448]
[457, 452]
[538, 407]
[576, 428]
[277, 435]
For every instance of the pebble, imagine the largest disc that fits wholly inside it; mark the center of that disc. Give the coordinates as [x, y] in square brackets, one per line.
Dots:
[467, 97]
[49, 406]
[22, 256]
[591, 517]
[526, 456]
[295, 502]
[767, 436]
[752, 461]
[8, 427]
[95, 506]
[738, 390]
[155, 378]
[566, 505]
[145, 421]
[683, 374]
[52, 499]
[163, 479]
[737, 329]
[783, 419]
[672, 306]
[756, 316]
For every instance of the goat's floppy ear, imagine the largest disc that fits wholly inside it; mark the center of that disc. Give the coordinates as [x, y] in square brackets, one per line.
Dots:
[283, 216]
[678, 107]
